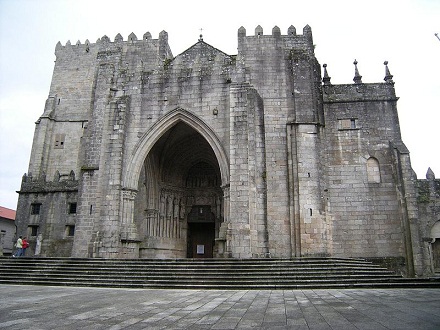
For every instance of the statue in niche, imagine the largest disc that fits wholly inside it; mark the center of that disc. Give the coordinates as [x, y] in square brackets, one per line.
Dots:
[169, 206]
[162, 205]
[176, 208]
[218, 203]
[182, 208]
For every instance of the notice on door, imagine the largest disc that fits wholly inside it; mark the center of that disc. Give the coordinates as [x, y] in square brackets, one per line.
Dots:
[200, 249]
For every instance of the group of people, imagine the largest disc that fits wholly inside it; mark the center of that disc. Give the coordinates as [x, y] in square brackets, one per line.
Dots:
[21, 245]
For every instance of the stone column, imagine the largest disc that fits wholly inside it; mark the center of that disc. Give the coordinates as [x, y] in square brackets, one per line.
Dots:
[226, 203]
[129, 233]
[128, 230]
[223, 240]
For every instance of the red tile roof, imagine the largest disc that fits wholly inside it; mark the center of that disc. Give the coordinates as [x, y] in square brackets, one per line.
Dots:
[7, 213]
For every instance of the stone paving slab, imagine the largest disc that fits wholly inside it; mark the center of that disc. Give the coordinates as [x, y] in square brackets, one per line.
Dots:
[39, 307]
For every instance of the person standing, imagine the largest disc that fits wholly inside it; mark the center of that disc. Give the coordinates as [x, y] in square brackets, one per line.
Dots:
[24, 246]
[19, 246]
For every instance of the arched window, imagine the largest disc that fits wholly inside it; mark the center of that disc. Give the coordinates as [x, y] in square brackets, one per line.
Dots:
[373, 172]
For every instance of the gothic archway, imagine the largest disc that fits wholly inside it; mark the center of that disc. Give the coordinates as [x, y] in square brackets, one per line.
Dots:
[180, 170]
[148, 140]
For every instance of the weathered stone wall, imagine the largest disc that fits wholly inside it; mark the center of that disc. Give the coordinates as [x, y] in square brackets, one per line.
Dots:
[284, 71]
[296, 168]
[56, 145]
[366, 218]
[53, 218]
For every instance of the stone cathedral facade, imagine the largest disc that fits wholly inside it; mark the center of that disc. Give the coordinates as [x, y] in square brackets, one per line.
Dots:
[142, 154]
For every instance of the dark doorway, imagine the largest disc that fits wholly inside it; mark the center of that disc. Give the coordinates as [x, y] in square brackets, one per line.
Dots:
[200, 240]
[201, 232]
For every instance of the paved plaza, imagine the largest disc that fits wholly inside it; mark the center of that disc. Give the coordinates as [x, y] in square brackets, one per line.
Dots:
[38, 307]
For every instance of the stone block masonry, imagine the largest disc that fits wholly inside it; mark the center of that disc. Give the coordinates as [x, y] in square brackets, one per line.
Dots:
[206, 154]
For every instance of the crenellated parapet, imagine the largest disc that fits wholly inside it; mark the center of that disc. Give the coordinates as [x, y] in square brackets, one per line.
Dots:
[306, 37]
[278, 59]
[105, 43]
[291, 46]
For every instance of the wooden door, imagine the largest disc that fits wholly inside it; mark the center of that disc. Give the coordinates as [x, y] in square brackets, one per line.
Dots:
[201, 240]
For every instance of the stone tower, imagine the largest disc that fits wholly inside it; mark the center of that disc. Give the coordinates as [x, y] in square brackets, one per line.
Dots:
[140, 154]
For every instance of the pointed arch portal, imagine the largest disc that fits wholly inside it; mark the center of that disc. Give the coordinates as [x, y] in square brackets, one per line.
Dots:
[148, 140]
[177, 170]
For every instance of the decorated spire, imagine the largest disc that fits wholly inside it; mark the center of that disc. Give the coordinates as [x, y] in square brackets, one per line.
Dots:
[357, 77]
[388, 76]
[326, 78]
[201, 35]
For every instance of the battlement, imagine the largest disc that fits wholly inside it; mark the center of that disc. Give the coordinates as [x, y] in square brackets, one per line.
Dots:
[291, 40]
[132, 38]
[276, 32]
[104, 41]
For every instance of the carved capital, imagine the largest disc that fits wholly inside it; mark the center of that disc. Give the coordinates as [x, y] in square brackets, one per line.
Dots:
[128, 194]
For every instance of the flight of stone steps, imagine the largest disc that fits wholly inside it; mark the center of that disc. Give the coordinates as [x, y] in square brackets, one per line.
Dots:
[301, 273]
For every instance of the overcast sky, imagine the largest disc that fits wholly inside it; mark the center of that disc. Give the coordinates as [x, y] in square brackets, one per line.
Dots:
[400, 31]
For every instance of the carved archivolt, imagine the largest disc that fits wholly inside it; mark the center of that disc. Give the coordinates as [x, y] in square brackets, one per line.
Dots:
[147, 141]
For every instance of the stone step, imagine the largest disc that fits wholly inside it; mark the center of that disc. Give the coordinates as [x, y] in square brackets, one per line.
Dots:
[181, 272]
[196, 277]
[191, 267]
[203, 274]
[419, 283]
[188, 265]
[191, 262]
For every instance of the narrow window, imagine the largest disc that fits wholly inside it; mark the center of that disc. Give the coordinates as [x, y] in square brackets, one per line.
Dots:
[70, 230]
[352, 123]
[373, 171]
[35, 208]
[72, 208]
[32, 230]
